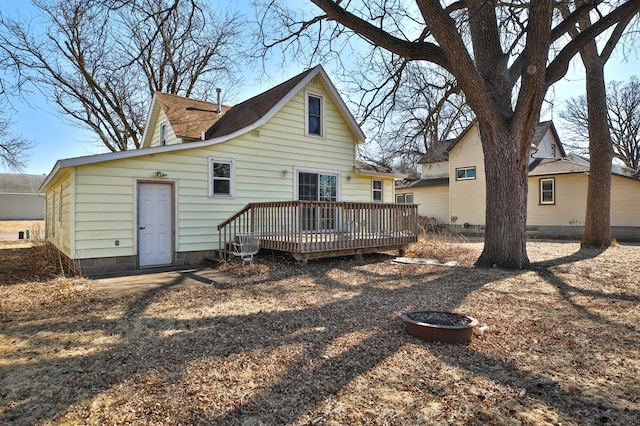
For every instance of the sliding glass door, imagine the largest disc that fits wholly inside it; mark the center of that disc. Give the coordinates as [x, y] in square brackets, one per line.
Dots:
[318, 187]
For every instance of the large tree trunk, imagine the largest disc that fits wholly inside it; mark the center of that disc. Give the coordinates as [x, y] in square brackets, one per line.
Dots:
[505, 159]
[597, 224]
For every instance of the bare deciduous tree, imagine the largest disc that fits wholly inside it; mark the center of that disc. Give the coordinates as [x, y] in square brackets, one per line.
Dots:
[422, 105]
[623, 115]
[100, 62]
[14, 149]
[597, 229]
[504, 57]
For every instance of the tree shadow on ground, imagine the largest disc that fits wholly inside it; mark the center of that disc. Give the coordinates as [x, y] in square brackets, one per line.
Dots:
[142, 345]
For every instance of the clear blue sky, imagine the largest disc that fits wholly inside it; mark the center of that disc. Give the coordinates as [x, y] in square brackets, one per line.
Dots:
[56, 138]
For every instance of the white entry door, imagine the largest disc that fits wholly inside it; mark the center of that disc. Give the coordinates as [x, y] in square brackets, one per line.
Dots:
[155, 224]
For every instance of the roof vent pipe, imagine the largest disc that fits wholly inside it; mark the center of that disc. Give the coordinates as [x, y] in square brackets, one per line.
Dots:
[219, 111]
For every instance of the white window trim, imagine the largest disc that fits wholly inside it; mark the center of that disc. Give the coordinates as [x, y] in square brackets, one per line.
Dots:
[322, 134]
[163, 134]
[174, 190]
[374, 190]
[404, 197]
[553, 191]
[232, 179]
[296, 172]
[466, 168]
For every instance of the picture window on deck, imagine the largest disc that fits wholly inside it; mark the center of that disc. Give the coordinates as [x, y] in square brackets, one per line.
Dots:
[548, 191]
[466, 173]
[222, 177]
[315, 116]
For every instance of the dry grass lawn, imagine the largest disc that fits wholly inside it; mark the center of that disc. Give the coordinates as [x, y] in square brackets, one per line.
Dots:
[323, 344]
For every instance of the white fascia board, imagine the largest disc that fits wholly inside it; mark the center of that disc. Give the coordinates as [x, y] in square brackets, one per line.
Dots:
[110, 156]
[347, 113]
[154, 100]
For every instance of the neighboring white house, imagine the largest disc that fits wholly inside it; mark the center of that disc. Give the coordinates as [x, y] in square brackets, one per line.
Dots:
[452, 188]
[163, 204]
[19, 197]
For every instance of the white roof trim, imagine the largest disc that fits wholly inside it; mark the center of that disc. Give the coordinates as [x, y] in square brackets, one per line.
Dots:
[149, 113]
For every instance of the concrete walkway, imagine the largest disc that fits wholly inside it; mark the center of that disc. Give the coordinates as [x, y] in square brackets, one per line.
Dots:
[140, 281]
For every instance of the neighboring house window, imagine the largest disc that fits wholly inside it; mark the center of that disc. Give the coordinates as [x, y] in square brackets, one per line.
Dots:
[314, 115]
[466, 173]
[163, 134]
[222, 172]
[404, 198]
[548, 191]
[377, 191]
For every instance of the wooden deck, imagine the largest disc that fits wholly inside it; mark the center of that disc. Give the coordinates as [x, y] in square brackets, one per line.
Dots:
[310, 230]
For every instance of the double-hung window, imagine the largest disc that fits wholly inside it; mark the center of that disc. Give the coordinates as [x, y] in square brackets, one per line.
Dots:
[404, 198]
[377, 191]
[547, 191]
[222, 177]
[466, 173]
[314, 115]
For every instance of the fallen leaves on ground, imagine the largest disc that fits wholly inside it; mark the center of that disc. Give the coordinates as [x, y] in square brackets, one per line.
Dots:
[323, 344]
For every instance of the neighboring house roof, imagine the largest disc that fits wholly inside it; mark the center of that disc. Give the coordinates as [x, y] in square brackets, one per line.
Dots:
[189, 117]
[367, 169]
[16, 183]
[440, 150]
[557, 166]
[234, 126]
[422, 183]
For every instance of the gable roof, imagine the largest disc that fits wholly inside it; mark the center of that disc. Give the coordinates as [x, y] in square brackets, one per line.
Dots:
[440, 150]
[17, 183]
[256, 111]
[189, 117]
[234, 126]
[249, 111]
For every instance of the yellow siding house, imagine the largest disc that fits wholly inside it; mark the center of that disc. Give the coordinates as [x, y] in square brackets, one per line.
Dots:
[200, 164]
[452, 188]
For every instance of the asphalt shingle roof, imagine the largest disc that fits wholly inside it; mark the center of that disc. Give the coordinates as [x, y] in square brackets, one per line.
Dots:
[189, 117]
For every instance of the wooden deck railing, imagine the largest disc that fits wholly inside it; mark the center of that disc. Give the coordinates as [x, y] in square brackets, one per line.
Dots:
[310, 229]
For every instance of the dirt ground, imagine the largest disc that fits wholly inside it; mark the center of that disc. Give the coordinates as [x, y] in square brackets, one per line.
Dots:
[322, 343]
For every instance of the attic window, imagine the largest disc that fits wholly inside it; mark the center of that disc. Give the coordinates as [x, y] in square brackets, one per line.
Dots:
[314, 115]
[163, 134]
